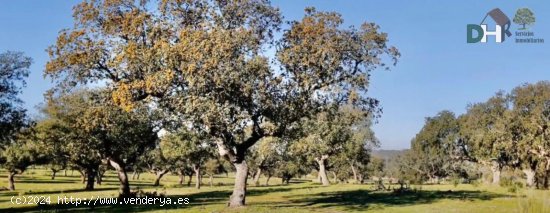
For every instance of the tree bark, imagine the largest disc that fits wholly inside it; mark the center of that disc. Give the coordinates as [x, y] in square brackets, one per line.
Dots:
[159, 175]
[355, 178]
[90, 178]
[181, 178]
[257, 176]
[53, 174]
[334, 177]
[99, 178]
[189, 180]
[238, 198]
[236, 157]
[134, 175]
[530, 182]
[197, 169]
[82, 176]
[496, 168]
[122, 178]
[267, 180]
[322, 170]
[211, 181]
[65, 172]
[11, 181]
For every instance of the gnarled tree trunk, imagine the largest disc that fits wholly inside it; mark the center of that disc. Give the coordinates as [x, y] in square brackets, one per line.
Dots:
[267, 180]
[90, 178]
[189, 179]
[54, 171]
[322, 169]
[197, 169]
[354, 170]
[11, 181]
[122, 177]
[257, 176]
[159, 175]
[238, 197]
[181, 179]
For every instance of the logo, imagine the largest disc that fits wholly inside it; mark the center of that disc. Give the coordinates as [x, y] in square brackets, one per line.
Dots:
[502, 22]
[524, 17]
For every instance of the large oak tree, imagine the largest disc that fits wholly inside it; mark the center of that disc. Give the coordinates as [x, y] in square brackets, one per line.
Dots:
[206, 61]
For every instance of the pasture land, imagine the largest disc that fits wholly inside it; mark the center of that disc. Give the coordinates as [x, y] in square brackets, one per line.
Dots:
[301, 195]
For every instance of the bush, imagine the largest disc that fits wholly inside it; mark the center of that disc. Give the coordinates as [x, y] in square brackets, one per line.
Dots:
[511, 183]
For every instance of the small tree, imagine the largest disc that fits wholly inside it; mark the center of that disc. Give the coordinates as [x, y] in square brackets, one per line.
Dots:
[212, 167]
[524, 17]
[186, 146]
[19, 155]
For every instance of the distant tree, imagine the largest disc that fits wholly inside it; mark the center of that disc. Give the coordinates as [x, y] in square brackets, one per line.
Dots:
[92, 131]
[264, 157]
[19, 155]
[213, 167]
[157, 164]
[433, 145]
[49, 132]
[185, 145]
[289, 162]
[205, 61]
[524, 16]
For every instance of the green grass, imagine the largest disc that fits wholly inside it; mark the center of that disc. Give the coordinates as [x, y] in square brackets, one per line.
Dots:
[299, 196]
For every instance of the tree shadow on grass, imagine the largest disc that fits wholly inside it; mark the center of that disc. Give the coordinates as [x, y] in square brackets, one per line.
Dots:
[362, 200]
[218, 197]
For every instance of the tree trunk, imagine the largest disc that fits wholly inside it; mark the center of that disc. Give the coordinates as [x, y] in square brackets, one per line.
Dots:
[138, 174]
[90, 178]
[122, 178]
[257, 176]
[181, 178]
[159, 175]
[53, 174]
[82, 177]
[197, 169]
[11, 181]
[334, 177]
[211, 181]
[322, 170]
[134, 175]
[65, 172]
[267, 180]
[355, 177]
[99, 178]
[189, 181]
[530, 182]
[237, 158]
[496, 169]
[238, 198]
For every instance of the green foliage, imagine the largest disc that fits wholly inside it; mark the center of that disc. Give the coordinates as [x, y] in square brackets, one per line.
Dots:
[524, 16]
[14, 68]
[186, 147]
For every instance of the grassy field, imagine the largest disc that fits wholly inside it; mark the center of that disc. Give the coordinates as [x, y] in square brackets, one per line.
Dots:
[299, 196]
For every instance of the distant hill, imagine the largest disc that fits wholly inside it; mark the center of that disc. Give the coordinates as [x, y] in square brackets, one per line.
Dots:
[386, 154]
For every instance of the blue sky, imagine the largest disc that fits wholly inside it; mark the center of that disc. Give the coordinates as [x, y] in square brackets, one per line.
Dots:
[438, 69]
